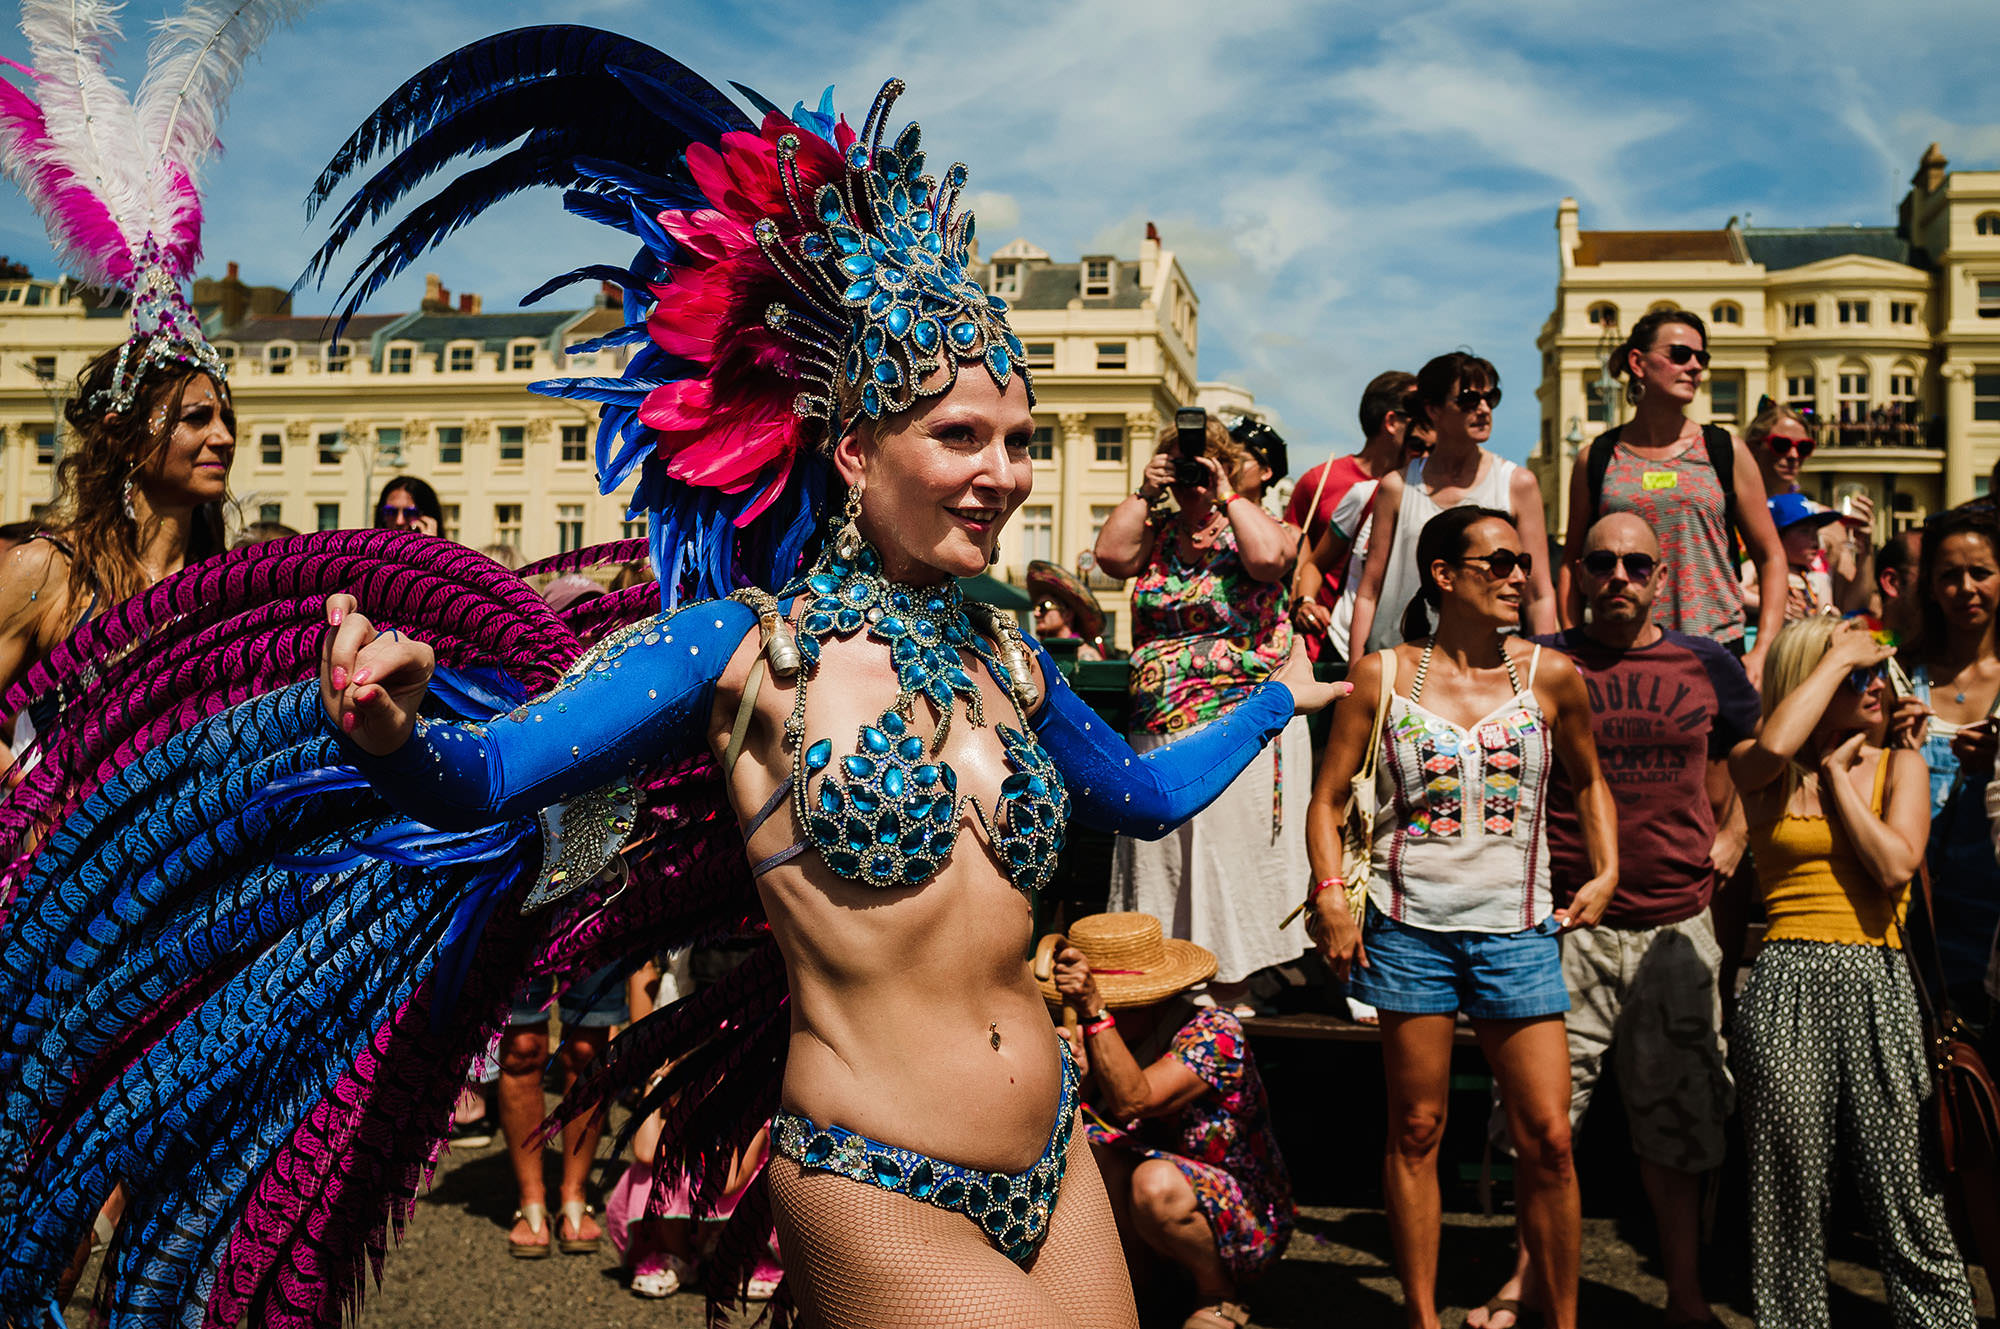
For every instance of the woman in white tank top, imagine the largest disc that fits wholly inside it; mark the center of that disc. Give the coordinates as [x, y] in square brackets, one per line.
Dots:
[1457, 395]
[1459, 916]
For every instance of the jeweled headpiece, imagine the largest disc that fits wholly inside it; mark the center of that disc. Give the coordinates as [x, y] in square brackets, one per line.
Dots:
[114, 177]
[793, 277]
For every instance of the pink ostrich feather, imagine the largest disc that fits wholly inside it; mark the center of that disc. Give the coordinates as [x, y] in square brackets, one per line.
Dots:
[87, 236]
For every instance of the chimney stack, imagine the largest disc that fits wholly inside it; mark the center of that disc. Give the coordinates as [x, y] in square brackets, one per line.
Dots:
[469, 303]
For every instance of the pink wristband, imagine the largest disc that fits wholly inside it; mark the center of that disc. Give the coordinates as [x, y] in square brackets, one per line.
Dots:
[1321, 885]
[1100, 1024]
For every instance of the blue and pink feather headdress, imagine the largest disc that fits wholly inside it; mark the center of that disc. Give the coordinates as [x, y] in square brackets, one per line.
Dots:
[793, 277]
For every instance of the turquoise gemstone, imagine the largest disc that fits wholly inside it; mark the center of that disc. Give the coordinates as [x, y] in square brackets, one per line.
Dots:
[858, 766]
[892, 782]
[874, 740]
[818, 755]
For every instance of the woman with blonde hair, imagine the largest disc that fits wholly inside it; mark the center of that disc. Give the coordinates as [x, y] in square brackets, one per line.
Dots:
[1827, 1047]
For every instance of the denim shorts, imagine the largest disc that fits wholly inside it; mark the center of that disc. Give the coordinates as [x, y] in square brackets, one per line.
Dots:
[1487, 975]
[596, 1001]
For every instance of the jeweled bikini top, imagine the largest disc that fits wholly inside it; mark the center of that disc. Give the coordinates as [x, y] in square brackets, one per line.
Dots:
[888, 814]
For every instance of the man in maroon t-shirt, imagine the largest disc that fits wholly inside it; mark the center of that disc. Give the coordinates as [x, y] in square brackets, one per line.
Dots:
[1666, 709]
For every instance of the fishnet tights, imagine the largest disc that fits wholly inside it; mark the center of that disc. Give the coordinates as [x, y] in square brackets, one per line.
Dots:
[857, 1257]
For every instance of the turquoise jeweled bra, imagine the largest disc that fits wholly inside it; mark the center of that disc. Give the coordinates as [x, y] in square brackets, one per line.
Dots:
[889, 813]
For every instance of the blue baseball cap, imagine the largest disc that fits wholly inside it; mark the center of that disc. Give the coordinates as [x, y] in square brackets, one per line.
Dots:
[1791, 509]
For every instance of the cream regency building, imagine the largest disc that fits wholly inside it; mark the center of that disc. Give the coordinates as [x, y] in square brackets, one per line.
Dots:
[321, 424]
[1886, 337]
[442, 393]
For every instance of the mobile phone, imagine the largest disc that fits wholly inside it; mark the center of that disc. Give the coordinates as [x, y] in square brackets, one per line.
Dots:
[1190, 441]
[1899, 682]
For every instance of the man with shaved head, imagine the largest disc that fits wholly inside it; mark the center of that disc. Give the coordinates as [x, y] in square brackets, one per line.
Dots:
[1643, 988]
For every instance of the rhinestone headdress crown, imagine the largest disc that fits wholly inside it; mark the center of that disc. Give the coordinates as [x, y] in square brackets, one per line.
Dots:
[879, 264]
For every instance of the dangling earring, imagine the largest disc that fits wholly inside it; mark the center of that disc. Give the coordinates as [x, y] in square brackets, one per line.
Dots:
[847, 544]
[131, 513]
[993, 557]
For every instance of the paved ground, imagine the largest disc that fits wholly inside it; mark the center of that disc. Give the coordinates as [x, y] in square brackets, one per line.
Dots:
[452, 1271]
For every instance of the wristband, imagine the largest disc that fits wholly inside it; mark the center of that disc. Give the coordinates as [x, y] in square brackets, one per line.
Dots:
[1100, 1024]
[1321, 885]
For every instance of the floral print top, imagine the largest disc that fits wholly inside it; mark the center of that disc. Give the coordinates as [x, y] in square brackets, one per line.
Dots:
[1203, 633]
[1222, 1143]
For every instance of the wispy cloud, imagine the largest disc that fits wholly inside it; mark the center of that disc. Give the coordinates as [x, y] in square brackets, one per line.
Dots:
[1348, 190]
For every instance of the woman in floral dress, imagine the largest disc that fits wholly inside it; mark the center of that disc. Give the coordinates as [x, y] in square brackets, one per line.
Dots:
[1174, 1109]
[1211, 621]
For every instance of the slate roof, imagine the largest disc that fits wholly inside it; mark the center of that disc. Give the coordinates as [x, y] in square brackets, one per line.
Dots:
[307, 328]
[1054, 285]
[493, 331]
[1781, 247]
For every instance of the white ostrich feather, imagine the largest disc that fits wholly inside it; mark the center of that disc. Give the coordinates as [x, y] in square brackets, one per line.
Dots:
[193, 64]
[93, 130]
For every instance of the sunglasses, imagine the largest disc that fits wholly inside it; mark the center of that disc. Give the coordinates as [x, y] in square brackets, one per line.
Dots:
[1600, 563]
[407, 514]
[1860, 680]
[1680, 354]
[1786, 447]
[1468, 400]
[1047, 607]
[1501, 563]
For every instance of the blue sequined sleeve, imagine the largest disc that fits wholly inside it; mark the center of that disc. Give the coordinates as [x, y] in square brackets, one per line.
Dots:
[1113, 788]
[643, 701]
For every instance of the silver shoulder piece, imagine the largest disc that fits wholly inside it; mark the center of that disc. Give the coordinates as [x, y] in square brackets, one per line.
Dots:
[580, 841]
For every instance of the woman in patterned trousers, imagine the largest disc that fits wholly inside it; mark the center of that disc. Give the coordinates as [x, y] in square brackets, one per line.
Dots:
[1827, 1048]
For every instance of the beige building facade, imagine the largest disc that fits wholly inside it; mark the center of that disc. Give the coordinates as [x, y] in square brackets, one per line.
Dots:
[322, 424]
[1886, 338]
[442, 393]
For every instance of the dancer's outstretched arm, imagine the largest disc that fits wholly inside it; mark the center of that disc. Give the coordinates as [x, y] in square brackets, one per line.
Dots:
[1148, 794]
[633, 708]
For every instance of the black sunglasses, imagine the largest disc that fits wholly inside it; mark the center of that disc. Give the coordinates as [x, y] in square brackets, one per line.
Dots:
[1860, 680]
[1600, 564]
[1680, 353]
[1502, 562]
[407, 514]
[1468, 400]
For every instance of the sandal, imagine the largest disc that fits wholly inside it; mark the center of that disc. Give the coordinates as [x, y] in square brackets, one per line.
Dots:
[573, 1213]
[1221, 1315]
[537, 1218]
[1525, 1317]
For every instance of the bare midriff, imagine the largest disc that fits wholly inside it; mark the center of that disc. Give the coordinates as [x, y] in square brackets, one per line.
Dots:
[899, 996]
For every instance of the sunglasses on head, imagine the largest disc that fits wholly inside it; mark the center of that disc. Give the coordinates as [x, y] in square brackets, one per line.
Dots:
[1680, 353]
[1860, 680]
[1786, 447]
[1502, 562]
[1600, 563]
[1468, 400]
[407, 514]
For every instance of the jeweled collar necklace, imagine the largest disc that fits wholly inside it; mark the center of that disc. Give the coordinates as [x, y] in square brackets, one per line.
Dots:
[888, 814]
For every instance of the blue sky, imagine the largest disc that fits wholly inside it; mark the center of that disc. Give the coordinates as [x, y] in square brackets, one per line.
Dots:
[1352, 187]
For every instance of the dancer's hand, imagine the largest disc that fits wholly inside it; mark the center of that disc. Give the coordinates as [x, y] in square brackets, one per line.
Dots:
[370, 682]
[1308, 695]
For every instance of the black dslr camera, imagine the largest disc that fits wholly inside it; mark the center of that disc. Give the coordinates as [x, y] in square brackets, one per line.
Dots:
[1191, 442]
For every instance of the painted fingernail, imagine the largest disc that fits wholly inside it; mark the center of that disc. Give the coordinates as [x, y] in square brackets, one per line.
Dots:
[336, 618]
[360, 677]
[339, 679]
[347, 723]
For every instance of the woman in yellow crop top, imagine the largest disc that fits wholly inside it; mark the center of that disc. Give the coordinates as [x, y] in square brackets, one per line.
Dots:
[1827, 1046]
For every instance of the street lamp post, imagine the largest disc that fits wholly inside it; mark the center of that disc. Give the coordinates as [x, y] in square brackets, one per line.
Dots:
[370, 451]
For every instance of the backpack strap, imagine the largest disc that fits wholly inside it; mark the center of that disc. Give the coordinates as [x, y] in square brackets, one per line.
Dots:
[1596, 464]
[1722, 457]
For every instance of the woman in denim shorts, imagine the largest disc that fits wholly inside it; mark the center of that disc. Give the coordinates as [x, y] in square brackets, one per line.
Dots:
[1460, 917]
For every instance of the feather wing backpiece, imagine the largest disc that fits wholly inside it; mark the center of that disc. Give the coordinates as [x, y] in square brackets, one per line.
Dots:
[238, 984]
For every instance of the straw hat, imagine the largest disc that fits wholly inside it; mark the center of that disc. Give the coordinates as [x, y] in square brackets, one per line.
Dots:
[1057, 582]
[1132, 963]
